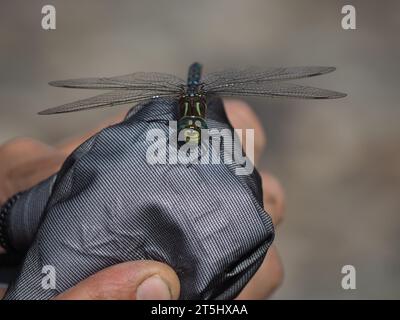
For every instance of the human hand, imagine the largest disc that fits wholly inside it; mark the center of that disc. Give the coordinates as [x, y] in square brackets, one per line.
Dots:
[123, 281]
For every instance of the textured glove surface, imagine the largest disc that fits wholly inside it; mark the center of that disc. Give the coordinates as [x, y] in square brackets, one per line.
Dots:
[109, 205]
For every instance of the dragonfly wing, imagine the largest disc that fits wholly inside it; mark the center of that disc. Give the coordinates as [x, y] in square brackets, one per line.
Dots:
[108, 99]
[155, 78]
[277, 89]
[87, 83]
[219, 79]
[138, 81]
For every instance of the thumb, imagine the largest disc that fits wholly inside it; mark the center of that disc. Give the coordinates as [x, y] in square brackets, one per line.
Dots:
[135, 280]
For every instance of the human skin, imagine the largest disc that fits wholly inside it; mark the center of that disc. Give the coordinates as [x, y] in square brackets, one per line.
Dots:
[24, 162]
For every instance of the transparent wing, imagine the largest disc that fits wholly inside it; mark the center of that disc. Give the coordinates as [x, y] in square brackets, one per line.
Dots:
[108, 99]
[276, 89]
[138, 80]
[228, 77]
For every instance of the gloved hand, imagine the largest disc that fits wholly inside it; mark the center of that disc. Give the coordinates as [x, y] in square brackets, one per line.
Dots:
[118, 230]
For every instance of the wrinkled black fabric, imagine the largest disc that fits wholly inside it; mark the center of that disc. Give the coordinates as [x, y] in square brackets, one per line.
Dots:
[26, 215]
[108, 205]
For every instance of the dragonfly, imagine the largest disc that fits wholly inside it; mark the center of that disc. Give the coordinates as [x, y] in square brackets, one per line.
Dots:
[193, 95]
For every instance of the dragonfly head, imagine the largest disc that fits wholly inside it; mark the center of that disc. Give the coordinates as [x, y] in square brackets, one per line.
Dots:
[192, 113]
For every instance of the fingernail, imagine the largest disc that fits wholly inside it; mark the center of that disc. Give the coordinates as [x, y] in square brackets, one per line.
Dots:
[153, 288]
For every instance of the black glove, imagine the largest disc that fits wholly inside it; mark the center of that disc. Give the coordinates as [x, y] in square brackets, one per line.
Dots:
[109, 205]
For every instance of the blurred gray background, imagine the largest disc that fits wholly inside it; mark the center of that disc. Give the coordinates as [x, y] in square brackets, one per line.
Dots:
[339, 161]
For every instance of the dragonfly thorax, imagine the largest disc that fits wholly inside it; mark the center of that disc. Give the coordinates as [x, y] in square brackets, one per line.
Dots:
[192, 114]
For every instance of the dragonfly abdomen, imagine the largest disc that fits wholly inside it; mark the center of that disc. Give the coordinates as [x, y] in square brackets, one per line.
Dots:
[194, 74]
